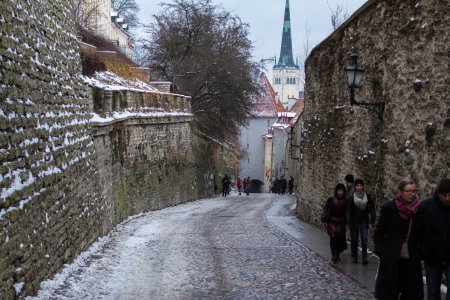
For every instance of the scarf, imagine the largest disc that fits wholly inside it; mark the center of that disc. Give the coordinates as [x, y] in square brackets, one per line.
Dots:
[406, 210]
[360, 200]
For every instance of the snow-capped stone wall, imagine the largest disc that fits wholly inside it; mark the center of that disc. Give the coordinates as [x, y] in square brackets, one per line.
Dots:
[78, 156]
[46, 148]
[404, 48]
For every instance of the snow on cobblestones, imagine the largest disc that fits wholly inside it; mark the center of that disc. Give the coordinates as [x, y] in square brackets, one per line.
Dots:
[218, 248]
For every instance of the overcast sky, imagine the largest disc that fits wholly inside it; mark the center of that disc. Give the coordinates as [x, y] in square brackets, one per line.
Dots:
[265, 18]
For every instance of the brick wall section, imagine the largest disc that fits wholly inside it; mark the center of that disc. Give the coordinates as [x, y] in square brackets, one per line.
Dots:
[399, 43]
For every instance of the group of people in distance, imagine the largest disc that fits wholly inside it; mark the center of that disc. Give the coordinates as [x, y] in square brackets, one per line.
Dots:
[280, 184]
[408, 231]
[246, 184]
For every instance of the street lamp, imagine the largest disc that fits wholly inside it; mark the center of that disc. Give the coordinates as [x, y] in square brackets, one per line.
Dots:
[354, 75]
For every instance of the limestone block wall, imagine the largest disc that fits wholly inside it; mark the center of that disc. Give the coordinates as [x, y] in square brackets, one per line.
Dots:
[64, 179]
[46, 148]
[404, 47]
[145, 164]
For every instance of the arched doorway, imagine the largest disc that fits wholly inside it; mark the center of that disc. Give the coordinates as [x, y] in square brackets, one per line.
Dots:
[256, 186]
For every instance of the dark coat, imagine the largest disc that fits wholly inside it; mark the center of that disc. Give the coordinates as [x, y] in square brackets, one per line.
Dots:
[291, 183]
[390, 232]
[225, 182]
[437, 247]
[334, 216]
[360, 217]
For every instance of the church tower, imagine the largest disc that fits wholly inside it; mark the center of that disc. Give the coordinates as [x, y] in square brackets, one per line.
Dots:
[286, 74]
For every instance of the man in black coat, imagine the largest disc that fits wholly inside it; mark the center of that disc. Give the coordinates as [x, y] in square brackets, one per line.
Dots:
[291, 185]
[283, 184]
[437, 252]
[225, 185]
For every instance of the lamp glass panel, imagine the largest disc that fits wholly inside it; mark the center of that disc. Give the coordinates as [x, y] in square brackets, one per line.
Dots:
[358, 76]
[350, 72]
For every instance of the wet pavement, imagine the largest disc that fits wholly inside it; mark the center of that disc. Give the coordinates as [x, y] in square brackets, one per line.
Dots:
[238, 247]
[283, 215]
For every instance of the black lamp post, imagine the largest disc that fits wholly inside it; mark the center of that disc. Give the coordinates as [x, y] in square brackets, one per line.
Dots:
[354, 77]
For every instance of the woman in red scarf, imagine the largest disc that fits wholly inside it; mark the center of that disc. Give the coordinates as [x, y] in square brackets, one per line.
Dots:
[401, 222]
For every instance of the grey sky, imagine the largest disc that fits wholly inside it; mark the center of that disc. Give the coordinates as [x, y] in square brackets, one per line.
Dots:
[266, 21]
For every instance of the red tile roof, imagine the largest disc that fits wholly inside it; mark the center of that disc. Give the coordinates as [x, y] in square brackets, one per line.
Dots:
[298, 108]
[266, 105]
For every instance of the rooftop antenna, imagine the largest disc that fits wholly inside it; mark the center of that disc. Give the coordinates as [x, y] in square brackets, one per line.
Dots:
[264, 61]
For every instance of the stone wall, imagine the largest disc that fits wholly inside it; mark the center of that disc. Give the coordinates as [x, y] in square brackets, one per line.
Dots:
[145, 164]
[404, 47]
[65, 178]
[46, 147]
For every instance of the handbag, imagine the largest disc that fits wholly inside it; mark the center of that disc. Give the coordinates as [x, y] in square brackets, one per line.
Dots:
[404, 251]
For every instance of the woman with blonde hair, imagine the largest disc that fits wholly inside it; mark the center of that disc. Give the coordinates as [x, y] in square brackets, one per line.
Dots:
[399, 236]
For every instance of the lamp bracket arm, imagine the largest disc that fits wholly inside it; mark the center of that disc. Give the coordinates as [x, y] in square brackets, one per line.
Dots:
[377, 107]
[356, 102]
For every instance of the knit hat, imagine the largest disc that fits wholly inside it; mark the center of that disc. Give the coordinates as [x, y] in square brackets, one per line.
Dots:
[349, 178]
[443, 186]
[358, 181]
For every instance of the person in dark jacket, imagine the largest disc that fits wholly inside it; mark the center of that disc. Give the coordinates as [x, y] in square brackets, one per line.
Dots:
[276, 186]
[225, 185]
[333, 218]
[402, 217]
[349, 180]
[437, 254]
[283, 185]
[360, 211]
[291, 184]
[248, 185]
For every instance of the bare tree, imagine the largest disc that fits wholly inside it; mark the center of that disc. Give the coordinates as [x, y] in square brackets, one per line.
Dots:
[338, 15]
[205, 51]
[127, 9]
[304, 56]
[84, 12]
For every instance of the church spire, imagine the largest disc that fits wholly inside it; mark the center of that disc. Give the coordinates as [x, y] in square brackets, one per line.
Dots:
[286, 58]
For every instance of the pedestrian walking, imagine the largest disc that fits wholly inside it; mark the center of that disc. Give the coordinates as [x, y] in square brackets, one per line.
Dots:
[225, 185]
[360, 212]
[349, 179]
[437, 245]
[283, 184]
[239, 184]
[334, 220]
[276, 186]
[248, 185]
[291, 184]
[399, 236]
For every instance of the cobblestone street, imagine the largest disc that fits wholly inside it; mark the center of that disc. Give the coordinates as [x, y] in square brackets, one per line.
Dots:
[218, 248]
